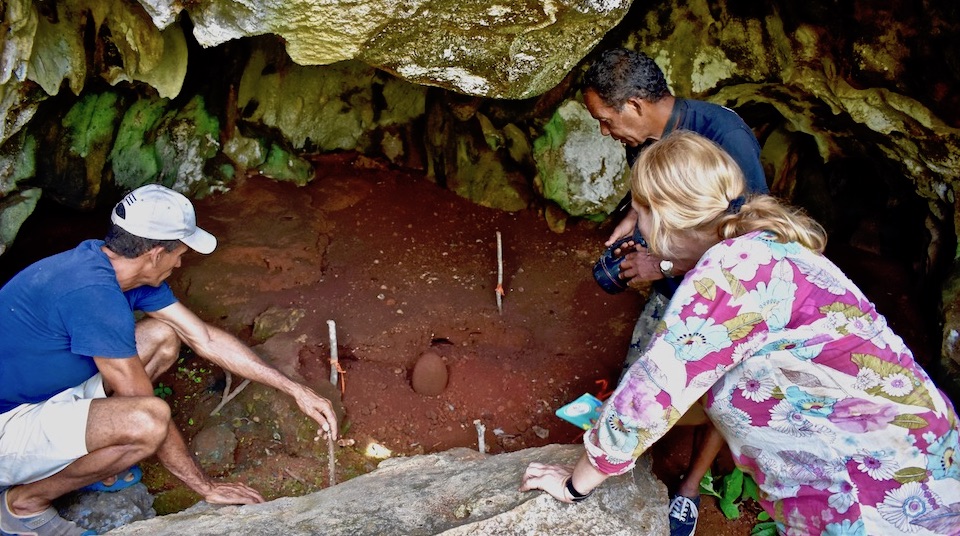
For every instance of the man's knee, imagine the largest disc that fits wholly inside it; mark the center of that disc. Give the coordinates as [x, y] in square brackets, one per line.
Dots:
[157, 344]
[141, 421]
[152, 420]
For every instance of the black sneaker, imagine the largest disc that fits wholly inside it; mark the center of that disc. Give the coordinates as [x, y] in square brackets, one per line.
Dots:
[684, 512]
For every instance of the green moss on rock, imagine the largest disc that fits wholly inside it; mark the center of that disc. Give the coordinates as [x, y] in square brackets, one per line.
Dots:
[18, 161]
[186, 139]
[134, 157]
[89, 128]
[14, 210]
[582, 171]
[90, 123]
[480, 176]
[285, 166]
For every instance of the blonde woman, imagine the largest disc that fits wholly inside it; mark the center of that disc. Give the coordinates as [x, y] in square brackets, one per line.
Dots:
[816, 397]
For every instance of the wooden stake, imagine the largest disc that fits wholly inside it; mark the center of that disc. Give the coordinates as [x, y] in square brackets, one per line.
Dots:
[331, 460]
[334, 359]
[481, 443]
[499, 290]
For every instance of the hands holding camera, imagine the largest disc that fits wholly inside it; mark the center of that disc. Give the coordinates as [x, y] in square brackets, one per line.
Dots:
[627, 261]
[640, 266]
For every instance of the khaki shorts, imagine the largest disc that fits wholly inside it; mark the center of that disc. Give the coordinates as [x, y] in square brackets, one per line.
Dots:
[39, 440]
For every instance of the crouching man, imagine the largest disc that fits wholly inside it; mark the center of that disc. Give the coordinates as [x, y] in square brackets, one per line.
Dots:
[77, 370]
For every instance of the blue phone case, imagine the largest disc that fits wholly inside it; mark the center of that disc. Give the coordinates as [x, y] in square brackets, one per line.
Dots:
[582, 412]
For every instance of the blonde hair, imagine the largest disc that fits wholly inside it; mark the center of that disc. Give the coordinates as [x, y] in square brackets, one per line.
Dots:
[688, 183]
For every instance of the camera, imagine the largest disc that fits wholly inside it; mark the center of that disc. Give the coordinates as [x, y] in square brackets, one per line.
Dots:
[607, 269]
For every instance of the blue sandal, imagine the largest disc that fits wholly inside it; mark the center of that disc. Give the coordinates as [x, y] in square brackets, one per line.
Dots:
[124, 480]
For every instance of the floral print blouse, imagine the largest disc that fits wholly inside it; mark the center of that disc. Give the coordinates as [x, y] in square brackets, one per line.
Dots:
[816, 397]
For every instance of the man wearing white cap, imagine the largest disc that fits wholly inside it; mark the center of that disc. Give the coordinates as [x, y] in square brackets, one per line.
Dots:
[76, 369]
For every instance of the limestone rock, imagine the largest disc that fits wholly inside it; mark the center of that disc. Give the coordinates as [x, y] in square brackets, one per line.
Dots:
[282, 351]
[159, 143]
[215, 448]
[472, 156]
[19, 25]
[503, 50]
[162, 12]
[106, 511]
[186, 139]
[139, 50]
[161, 65]
[454, 493]
[14, 209]
[18, 105]
[18, 161]
[580, 169]
[276, 320]
[18, 101]
[74, 149]
[245, 152]
[788, 61]
[283, 165]
[134, 156]
[330, 108]
[58, 53]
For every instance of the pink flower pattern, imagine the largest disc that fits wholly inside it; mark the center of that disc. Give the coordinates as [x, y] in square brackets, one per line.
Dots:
[856, 463]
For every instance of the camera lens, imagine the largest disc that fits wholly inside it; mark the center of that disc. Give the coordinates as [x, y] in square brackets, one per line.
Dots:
[606, 271]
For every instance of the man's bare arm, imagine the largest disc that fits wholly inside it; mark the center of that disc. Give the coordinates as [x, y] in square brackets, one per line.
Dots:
[231, 354]
[126, 377]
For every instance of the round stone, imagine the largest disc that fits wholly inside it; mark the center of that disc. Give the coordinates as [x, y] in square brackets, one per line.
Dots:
[429, 374]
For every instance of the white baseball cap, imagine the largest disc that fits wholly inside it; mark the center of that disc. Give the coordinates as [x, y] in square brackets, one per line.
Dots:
[159, 213]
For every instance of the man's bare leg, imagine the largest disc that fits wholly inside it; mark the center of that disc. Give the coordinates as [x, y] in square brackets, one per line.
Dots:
[120, 432]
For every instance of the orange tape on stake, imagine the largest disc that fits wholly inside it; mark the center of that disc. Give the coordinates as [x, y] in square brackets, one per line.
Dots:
[343, 375]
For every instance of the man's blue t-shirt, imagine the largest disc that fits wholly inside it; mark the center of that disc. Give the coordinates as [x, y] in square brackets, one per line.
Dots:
[57, 314]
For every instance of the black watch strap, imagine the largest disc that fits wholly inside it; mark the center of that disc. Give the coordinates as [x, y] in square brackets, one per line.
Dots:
[575, 495]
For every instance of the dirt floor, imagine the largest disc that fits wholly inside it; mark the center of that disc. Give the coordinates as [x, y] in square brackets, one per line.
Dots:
[401, 267]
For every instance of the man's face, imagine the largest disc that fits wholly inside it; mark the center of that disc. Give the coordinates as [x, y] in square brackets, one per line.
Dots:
[630, 126]
[166, 262]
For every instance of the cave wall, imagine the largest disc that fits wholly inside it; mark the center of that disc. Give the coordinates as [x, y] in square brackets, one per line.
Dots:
[855, 103]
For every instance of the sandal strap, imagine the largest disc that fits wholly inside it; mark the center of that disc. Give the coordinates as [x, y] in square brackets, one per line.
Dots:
[46, 523]
[40, 519]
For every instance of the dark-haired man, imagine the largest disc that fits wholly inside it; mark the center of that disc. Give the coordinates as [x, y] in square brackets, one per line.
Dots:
[626, 92]
[77, 370]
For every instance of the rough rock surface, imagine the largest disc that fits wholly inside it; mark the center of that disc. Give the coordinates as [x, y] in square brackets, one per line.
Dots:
[581, 170]
[330, 107]
[503, 50]
[458, 492]
[14, 209]
[106, 511]
[215, 448]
